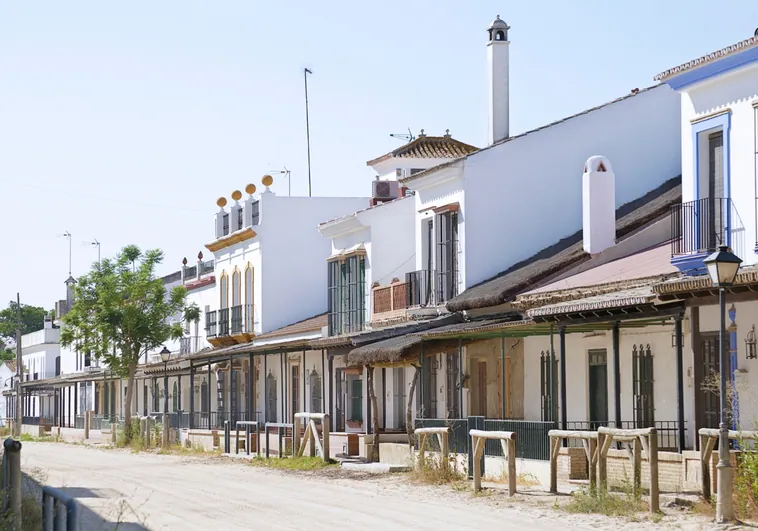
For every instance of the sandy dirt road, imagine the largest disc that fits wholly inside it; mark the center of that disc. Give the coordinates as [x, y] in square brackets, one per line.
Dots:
[148, 491]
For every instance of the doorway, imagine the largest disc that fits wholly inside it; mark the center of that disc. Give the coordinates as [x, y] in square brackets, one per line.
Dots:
[598, 388]
[339, 399]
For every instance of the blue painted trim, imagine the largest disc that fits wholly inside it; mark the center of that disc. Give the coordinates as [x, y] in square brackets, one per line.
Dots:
[734, 362]
[722, 122]
[713, 69]
[690, 264]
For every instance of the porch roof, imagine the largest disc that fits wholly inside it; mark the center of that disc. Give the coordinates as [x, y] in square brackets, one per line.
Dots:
[566, 253]
[693, 287]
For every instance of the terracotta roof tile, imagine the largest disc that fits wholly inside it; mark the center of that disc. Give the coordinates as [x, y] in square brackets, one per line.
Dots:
[429, 147]
[714, 56]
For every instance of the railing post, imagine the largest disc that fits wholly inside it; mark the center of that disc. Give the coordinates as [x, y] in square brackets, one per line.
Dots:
[12, 449]
[652, 448]
[87, 421]
[227, 436]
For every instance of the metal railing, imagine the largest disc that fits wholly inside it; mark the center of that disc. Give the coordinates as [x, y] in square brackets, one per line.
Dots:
[389, 298]
[215, 419]
[223, 322]
[59, 510]
[420, 288]
[701, 226]
[211, 324]
[532, 442]
[668, 430]
[190, 345]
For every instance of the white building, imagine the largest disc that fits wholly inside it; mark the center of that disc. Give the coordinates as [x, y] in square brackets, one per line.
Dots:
[485, 211]
[270, 261]
[719, 102]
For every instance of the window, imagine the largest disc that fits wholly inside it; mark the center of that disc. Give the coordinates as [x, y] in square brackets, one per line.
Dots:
[429, 374]
[156, 396]
[642, 369]
[175, 398]
[224, 291]
[295, 389]
[545, 395]
[446, 259]
[249, 300]
[236, 303]
[316, 396]
[255, 209]
[346, 286]
[355, 398]
[240, 219]
[453, 386]
[220, 380]
[204, 397]
[226, 224]
[87, 359]
[271, 407]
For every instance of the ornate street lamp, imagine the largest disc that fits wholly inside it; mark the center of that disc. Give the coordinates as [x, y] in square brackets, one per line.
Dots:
[165, 357]
[722, 268]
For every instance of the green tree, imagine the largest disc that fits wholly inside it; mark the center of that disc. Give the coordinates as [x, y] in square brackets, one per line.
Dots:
[32, 319]
[121, 312]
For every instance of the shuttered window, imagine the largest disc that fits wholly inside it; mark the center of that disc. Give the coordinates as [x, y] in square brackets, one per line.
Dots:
[644, 411]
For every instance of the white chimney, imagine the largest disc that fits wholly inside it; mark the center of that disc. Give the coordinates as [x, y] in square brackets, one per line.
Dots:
[497, 78]
[598, 205]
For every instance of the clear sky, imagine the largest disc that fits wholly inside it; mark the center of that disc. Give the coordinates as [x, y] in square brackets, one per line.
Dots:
[125, 121]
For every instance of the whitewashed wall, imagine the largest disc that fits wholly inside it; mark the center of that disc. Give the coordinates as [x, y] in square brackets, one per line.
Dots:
[736, 92]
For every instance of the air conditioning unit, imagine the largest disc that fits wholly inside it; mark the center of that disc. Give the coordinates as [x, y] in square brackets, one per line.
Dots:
[385, 190]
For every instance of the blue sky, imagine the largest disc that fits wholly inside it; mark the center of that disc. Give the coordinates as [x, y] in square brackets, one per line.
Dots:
[125, 121]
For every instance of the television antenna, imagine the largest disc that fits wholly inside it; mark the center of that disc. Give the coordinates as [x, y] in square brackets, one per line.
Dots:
[407, 137]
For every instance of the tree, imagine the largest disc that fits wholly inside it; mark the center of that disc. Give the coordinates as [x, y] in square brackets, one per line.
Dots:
[121, 312]
[32, 319]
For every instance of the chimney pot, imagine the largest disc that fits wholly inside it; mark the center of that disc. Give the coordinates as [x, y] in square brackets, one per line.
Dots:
[598, 205]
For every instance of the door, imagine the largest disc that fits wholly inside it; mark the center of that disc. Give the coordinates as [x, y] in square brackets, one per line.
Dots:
[709, 348]
[399, 397]
[716, 206]
[598, 376]
[339, 395]
[481, 388]
[295, 401]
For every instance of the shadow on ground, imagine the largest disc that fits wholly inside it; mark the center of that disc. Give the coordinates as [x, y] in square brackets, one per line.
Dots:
[116, 513]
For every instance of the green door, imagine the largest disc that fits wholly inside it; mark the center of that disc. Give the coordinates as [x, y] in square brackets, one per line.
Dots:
[598, 360]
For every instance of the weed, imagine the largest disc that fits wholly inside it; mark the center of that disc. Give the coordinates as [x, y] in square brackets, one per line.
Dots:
[435, 471]
[197, 449]
[600, 501]
[293, 463]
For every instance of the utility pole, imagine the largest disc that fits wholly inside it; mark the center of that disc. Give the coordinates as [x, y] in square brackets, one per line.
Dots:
[19, 368]
[307, 127]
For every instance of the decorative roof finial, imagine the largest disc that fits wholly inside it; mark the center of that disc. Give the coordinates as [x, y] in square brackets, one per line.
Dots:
[184, 262]
[447, 133]
[200, 255]
[421, 134]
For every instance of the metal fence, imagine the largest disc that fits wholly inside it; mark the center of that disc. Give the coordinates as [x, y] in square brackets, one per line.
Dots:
[215, 419]
[668, 431]
[532, 440]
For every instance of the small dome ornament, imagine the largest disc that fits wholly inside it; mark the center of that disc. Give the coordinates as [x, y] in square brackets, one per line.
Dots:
[267, 180]
[250, 189]
[221, 202]
[184, 262]
[200, 255]
[236, 195]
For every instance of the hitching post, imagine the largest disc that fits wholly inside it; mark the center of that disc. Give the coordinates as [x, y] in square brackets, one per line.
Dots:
[13, 471]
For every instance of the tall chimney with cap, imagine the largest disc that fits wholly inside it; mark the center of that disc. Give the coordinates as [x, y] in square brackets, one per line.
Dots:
[598, 205]
[497, 80]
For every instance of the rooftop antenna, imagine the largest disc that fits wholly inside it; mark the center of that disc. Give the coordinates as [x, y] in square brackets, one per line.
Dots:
[95, 243]
[67, 235]
[286, 173]
[307, 71]
[408, 137]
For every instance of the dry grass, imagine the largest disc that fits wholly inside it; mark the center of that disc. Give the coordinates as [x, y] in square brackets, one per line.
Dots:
[197, 449]
[433, 471]
[303, 464]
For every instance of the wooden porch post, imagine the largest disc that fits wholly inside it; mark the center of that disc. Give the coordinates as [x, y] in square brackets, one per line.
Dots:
[502, 376]
[564, 408]
[553, 410]
[679, 383]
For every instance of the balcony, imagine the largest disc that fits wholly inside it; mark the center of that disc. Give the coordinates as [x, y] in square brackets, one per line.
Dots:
[229, 326]
[191, 345]
[389, 302]
[699, 227]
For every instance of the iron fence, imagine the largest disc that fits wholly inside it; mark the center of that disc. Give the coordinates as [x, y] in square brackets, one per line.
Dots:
[532, 440]
[668, 431]
[215, 419]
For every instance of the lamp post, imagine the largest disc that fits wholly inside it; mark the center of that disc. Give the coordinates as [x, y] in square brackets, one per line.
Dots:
[722, 268]
[165, 357]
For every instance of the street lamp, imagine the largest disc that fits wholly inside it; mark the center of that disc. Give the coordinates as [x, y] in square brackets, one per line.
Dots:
[165, 357]
[722, 268]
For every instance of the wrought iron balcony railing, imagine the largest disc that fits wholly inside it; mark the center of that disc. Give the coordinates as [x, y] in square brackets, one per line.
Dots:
[701, 226]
